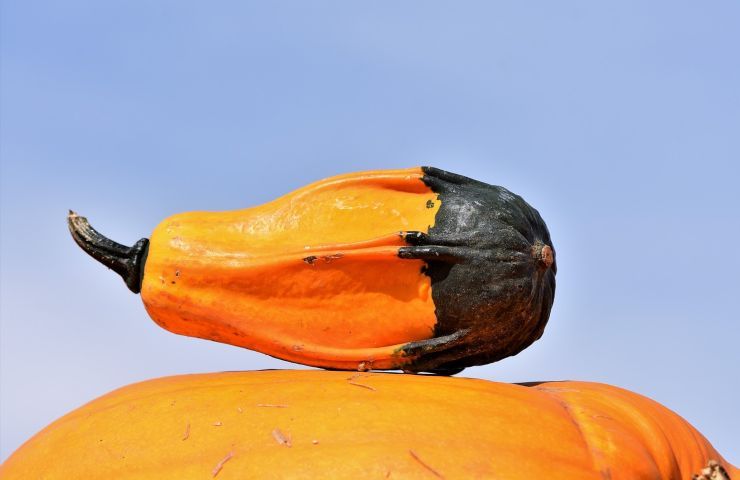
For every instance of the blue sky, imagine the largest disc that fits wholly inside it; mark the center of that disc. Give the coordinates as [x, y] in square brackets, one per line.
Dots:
[619, 121]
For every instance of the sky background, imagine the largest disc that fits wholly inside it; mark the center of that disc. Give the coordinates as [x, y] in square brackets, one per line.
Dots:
[619, 121]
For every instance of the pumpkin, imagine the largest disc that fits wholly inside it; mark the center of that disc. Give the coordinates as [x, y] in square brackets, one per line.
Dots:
[416, 269]
[321, 424]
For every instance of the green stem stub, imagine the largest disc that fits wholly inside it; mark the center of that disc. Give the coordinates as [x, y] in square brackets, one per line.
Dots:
[128, 262]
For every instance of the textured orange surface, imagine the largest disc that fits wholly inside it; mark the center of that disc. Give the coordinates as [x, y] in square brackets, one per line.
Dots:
[312, 277]
[318, 424]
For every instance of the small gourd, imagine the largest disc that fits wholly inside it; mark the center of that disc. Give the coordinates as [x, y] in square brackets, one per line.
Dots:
[416, 269]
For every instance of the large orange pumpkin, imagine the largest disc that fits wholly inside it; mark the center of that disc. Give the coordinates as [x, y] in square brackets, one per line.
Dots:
[318, 424]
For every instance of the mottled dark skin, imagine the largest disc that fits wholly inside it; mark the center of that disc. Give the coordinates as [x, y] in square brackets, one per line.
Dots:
[492, 267]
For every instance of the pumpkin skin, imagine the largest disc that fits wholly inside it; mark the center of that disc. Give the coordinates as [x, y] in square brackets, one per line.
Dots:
[320, 424]
[416, 269]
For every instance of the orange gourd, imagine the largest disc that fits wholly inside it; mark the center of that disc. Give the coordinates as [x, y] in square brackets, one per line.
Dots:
[319, 424]
[416, 269]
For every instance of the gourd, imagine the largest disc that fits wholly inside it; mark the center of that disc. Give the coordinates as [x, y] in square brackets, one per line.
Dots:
[319, 424]
[416, 269]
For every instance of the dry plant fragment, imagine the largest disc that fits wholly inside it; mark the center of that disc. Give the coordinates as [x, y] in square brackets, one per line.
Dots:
[363, 386]
[425, 465]
[351, 381]
[186, 435]
[271, 405]
[281, 438]
[220, 464]
[364, 366]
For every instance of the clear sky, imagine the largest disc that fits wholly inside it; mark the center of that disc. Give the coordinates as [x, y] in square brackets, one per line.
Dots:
[619, 121]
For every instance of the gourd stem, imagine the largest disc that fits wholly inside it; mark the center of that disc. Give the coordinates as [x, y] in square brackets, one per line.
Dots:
[128, 262]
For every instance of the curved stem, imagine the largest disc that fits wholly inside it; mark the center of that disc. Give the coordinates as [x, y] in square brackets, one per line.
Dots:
[128, 262]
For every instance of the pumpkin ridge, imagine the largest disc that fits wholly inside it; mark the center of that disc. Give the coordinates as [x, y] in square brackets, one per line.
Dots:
[674, 445]
[658, 427]
[603, 470]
